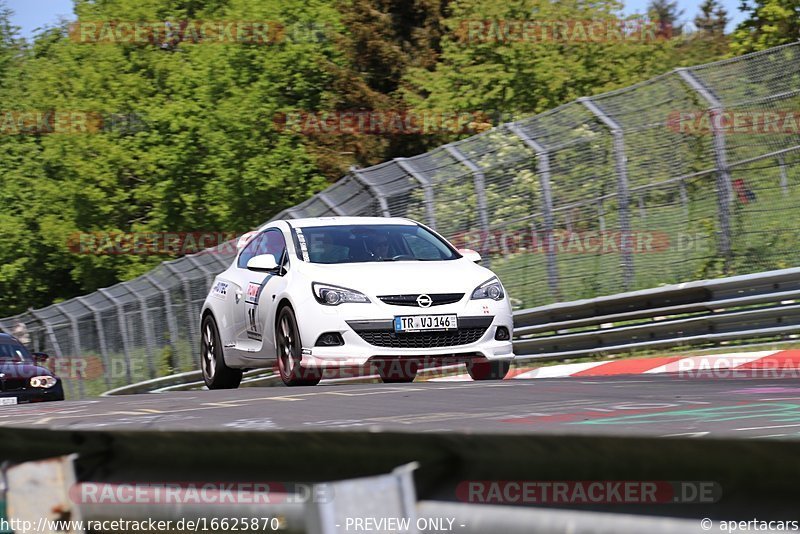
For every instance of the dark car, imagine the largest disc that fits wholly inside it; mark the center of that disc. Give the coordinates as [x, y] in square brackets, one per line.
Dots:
[22, 378]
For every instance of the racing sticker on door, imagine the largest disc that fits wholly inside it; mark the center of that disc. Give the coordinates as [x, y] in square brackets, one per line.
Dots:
[251, 308]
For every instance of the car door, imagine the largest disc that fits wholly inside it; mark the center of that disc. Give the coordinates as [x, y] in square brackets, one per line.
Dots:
[255, 307]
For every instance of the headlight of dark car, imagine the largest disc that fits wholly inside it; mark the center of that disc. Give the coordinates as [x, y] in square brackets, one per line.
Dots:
[44, 382]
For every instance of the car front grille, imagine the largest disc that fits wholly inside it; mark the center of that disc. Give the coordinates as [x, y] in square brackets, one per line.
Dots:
[437, 299]
[12, 384]
[422, 340]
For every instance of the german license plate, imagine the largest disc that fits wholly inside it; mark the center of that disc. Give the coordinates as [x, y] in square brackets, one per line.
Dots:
[420, 323]
[7, 401]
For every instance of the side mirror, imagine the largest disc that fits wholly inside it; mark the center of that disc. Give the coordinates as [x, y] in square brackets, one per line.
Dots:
[263, 263]
[40, 357]
[470, 254]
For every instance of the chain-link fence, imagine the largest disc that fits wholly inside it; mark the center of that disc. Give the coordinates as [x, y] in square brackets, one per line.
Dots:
[693, 174]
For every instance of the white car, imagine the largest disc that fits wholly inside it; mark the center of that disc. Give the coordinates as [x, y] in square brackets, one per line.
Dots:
[390, 294]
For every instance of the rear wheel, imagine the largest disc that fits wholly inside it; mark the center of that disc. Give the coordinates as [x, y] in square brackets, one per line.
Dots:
[288, 343]
[216, 374]
[488, 370]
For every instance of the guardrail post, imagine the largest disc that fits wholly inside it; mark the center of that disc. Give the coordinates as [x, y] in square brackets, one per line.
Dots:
[101, 339]
[209, 274]
[76, 349]
[784, 176]
[543, 168]
[427, 187]
[123, 331]
[172, 324]
[149, 334]
[480, 185]
[330, 203]
[192, 315]
[684, 198]
[372, 190]
[724, 187]
[54, 340]
[623, 192]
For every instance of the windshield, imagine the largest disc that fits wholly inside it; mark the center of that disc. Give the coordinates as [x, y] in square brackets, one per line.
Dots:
[371, 243]
[13, 352]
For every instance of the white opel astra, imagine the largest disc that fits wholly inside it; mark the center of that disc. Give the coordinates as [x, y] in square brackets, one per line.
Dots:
[385, 294]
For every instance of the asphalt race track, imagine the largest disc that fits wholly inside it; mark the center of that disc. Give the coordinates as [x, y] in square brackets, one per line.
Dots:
[655, 406]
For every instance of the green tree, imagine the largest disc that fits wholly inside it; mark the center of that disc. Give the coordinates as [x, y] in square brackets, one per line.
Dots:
[769, 23]
[667, 13]
[712, 19]
[205, 153]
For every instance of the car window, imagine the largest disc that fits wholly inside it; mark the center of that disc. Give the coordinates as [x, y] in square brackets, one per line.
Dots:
[424, 249]
[373, 242]
[14, 352]
[269, 242]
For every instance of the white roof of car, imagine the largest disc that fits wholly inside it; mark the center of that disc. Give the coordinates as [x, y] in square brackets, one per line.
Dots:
[339, 221]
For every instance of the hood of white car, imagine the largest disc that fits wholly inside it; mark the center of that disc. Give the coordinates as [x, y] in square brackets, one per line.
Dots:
[402, 277]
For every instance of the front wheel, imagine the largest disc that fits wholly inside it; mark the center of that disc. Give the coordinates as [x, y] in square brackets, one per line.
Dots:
[288, 344]
[496, 370]
[216, 374]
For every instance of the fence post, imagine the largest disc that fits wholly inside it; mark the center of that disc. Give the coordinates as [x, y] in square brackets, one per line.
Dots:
[123, 331]
[427, 187]
[543, 164]
[373, 191]
[190, 311]
[330, 203]
[172, 324]
[76, 350]
[101, 338]
[53, 339]
[149, 334]
[480, 186]
[623, 193]
[724, 187]
[784, 176]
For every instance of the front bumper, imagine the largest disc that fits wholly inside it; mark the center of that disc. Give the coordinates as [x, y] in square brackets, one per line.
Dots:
[368, 334]
[25, 396]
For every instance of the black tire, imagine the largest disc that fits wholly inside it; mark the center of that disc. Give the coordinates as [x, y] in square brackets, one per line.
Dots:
[216, 374]
[484, 370]
[288, 345]
[397, 371]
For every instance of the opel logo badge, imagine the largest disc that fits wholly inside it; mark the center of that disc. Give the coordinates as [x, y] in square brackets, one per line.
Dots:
[424, 301]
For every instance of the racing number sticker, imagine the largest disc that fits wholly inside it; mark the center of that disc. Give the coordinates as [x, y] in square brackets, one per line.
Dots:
[251, 308]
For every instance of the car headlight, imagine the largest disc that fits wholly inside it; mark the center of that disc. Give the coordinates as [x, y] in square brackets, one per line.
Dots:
[490, 289]
[334, 295]
[43, 381]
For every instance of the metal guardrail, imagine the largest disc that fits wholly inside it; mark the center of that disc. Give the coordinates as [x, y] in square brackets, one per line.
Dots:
[746, 309]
